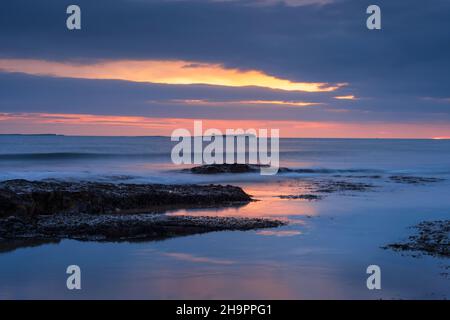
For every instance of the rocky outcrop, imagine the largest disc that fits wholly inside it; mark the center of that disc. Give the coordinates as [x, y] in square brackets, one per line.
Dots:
[120, 227]
[431, 238]
[225, 168]
[230, 168]
[309, 197]
[332, 186]
[32, 198]
[36, 212]
[414, 180]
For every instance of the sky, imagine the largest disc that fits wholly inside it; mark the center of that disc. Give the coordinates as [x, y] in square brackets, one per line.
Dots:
[309, 68]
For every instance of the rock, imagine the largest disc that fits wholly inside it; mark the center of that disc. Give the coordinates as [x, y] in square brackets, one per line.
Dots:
[431, 238]
[331, 186]
[32, 213]
[120, 227]
[32, 198]
[224, 168]
[230, 168]
[376, 176]
[414, 180]
[309, 197]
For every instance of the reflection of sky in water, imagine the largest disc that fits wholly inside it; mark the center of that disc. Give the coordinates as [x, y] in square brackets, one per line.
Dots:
[268, 203]
[324, 255]
[147, 159]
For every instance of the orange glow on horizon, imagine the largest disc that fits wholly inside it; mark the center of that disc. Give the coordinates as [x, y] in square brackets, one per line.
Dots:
[108, 125]
[163, 72]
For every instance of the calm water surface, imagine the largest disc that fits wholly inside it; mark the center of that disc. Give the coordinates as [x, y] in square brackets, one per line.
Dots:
[322, 253]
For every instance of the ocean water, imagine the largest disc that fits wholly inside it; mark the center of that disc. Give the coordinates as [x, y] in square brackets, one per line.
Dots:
[322, 253]
[147, 159]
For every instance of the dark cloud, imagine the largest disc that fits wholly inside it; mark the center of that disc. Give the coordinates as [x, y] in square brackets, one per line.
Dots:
[392, 70]
[25, 93]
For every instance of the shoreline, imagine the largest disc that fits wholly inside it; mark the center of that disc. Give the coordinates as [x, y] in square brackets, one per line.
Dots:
[32, 198]
[91, 211]
[295, 247]
[122, 227]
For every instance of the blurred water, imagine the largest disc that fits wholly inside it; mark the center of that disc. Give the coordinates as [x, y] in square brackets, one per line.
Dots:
[147, 159]
[322, 253]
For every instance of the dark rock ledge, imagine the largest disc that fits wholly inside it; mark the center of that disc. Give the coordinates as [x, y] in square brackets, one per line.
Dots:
[121, 227]
[431, 238]
[31, 198]
[230, 168]
[53, 210]
[309, 197]
[414, 180]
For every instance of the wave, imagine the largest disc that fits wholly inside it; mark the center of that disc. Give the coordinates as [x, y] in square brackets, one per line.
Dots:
[369, 172]
[75, 155]
[227, 170]
[331, 171]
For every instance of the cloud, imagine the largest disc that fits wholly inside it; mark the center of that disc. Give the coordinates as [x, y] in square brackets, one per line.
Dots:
[289, 3]
[347, 97]
[306, 43]
[390, 71]
[41, 94]
[325, 44]
[165, 72]
[243, 103]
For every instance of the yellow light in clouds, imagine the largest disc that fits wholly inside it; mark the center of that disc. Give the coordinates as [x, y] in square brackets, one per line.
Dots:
[283, 103]
[349, 97]
[161, 71]
[246, 102]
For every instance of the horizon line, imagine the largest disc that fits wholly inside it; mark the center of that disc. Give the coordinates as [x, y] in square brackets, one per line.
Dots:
[166, 136]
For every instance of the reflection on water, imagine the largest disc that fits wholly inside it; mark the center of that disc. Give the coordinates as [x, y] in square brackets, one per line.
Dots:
[323, 255]
[279, 233]
[197, 259]
[268, 204]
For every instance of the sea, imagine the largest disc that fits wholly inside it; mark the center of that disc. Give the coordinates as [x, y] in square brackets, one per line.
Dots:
[322, 253]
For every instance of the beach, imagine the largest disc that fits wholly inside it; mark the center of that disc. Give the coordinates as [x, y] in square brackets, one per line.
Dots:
[341, 203]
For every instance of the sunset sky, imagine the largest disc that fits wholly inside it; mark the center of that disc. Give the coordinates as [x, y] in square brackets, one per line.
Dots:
[310, 68]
